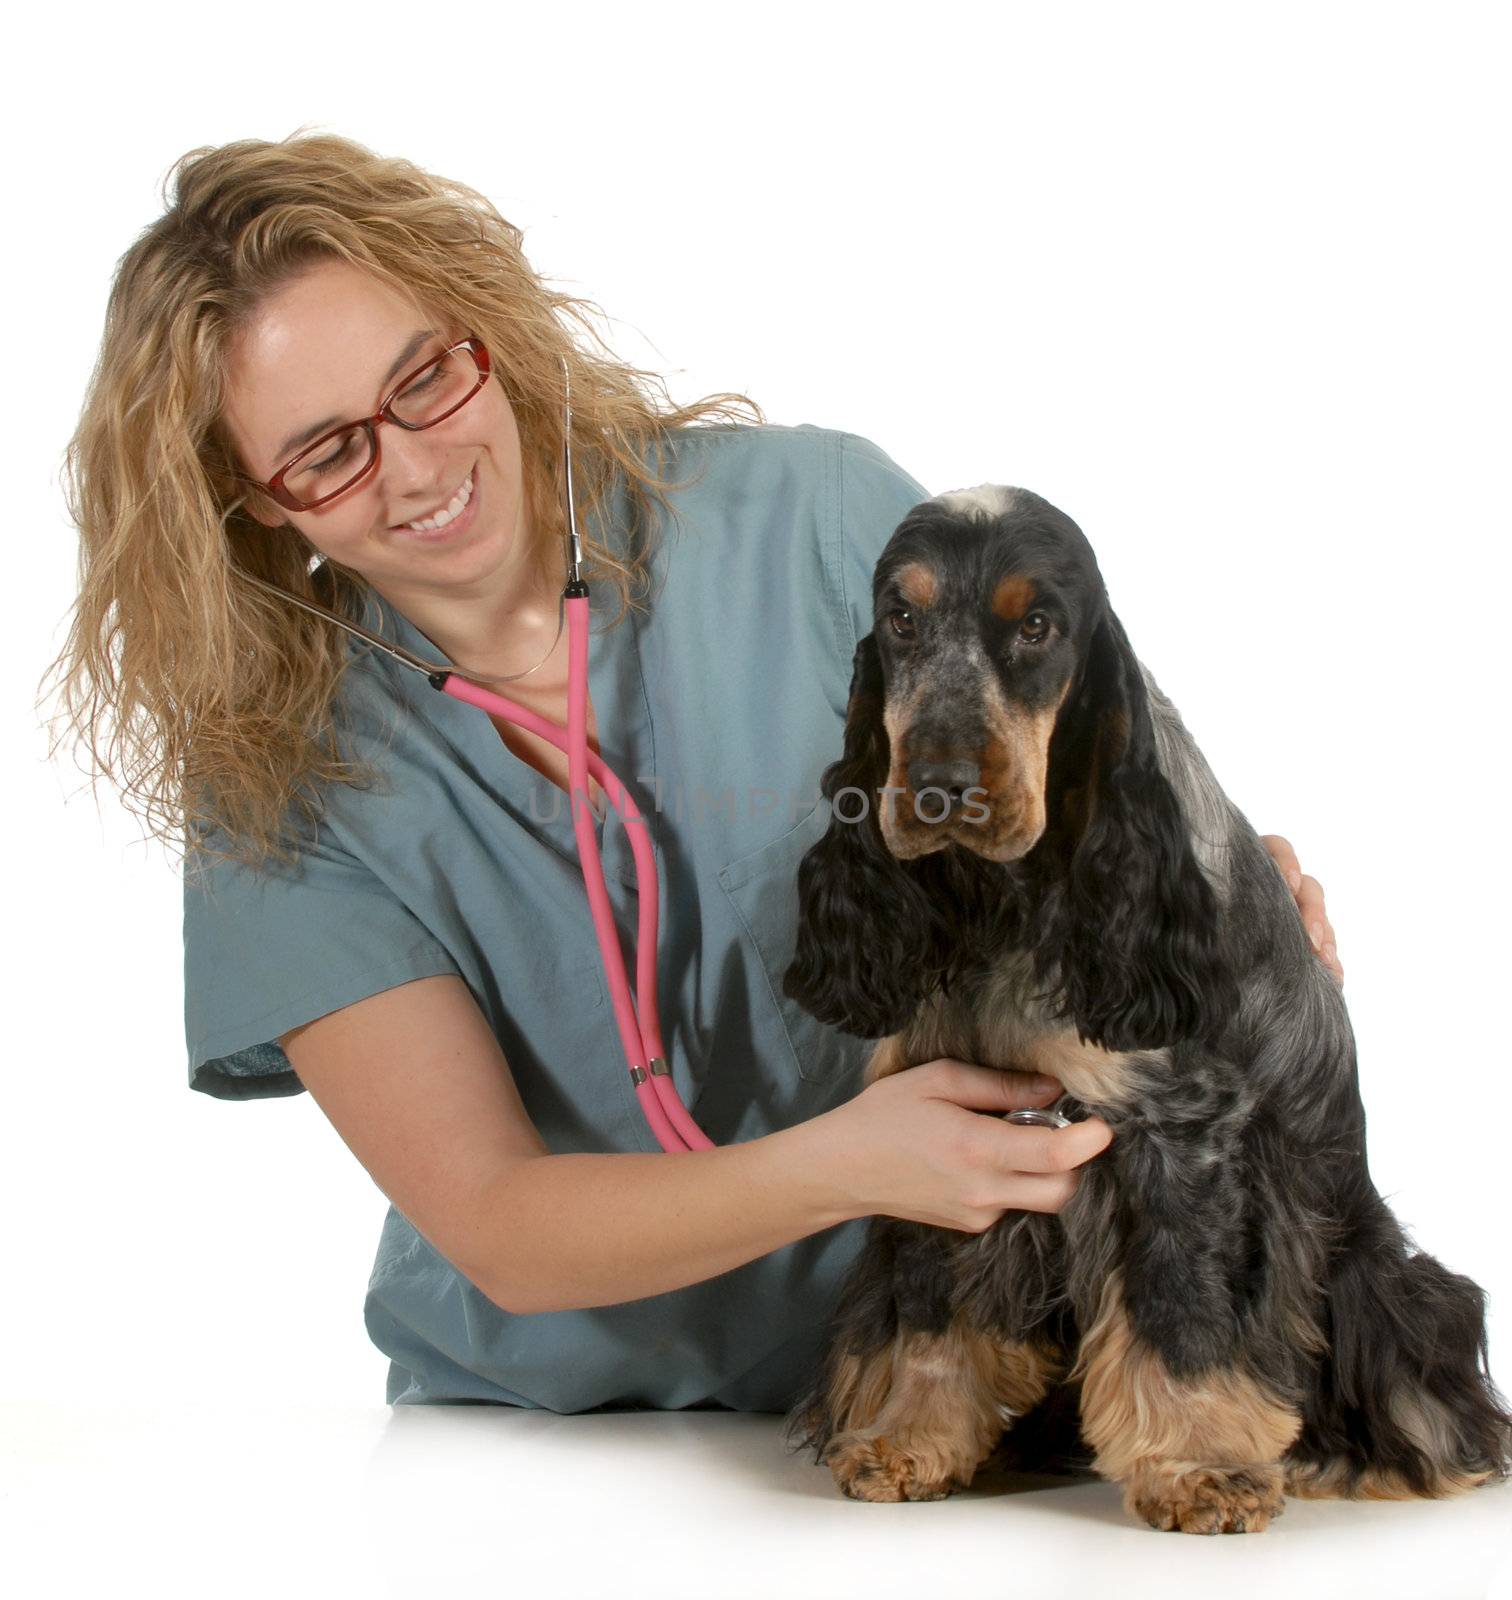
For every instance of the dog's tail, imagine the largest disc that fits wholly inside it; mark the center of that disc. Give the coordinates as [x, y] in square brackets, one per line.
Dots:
[1402, 1404]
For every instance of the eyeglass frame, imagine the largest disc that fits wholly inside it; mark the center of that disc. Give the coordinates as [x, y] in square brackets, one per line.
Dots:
[274, 487]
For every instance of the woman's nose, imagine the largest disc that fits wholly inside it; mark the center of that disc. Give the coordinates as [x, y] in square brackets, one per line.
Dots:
[410, 468]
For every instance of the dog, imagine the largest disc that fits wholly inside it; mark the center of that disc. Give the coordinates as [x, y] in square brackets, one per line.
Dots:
[1228, 1300]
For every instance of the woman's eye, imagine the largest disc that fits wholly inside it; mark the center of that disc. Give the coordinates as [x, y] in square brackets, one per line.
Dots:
[902, 623]
[335, 458]
[1035, 628]
[427, 380]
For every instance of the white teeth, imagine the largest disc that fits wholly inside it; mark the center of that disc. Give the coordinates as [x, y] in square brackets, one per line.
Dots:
[448, 512]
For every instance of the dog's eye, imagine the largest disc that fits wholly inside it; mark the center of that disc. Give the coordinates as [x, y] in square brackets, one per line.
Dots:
[902, 623]
[1035, 628]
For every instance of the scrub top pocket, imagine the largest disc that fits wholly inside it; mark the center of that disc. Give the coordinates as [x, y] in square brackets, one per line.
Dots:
[762, 888]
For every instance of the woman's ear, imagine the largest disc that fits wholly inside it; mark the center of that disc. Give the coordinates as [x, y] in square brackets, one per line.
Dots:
[865, 928]
[1130, 923]
[257, 503]
[240, 491]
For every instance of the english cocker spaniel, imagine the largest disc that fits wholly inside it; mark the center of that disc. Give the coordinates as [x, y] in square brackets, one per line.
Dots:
[1030, 865]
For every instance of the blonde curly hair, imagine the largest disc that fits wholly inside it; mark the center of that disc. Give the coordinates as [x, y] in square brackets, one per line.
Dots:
[213, 707]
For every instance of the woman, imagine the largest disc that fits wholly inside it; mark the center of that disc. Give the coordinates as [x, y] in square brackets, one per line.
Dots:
[382, 906]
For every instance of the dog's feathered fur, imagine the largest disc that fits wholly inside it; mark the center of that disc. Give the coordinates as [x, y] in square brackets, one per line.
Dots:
[1231, 1300]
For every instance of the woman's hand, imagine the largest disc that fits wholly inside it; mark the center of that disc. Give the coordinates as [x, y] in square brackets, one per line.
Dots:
[1308, 893]
[914, 1145]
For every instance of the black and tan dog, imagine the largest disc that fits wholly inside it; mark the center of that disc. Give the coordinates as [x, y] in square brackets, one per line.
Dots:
[1030, 865]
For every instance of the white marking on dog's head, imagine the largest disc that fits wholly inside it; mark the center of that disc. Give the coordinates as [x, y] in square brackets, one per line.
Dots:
[986, 500]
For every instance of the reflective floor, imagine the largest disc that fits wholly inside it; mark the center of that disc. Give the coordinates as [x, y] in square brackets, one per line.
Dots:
[357, 1501]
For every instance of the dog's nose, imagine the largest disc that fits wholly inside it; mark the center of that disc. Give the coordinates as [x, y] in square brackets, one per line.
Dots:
[952, 777]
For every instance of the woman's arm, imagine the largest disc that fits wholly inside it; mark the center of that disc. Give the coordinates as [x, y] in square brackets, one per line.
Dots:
[417, 1086]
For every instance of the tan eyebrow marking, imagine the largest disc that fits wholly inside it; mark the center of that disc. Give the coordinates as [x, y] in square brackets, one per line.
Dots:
[916, 583]
[1012, 597]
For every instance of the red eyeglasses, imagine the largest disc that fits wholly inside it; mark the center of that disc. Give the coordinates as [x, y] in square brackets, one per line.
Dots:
[341, 459]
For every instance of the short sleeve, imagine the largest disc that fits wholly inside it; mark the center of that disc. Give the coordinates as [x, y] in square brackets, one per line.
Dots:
[271, 948]
[875, 496]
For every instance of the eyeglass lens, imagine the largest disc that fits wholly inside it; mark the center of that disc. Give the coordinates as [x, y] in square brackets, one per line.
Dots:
[429, 397]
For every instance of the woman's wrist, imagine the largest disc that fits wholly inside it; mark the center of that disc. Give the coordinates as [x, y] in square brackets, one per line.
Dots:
[810, 1162]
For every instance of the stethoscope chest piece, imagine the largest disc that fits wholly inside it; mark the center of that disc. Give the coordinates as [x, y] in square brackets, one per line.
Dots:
[1030, 1118]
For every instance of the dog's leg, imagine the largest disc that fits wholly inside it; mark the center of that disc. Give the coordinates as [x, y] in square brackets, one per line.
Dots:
[911, 1396]
[1198, 1454]
[914, 1396]
[1400, 1405]
[915, 1419]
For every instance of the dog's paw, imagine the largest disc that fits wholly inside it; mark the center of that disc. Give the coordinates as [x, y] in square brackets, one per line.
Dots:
[879, 1469]
[1206, 1499]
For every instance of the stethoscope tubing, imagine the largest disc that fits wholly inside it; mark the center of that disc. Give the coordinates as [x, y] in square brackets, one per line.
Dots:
[637, 1019]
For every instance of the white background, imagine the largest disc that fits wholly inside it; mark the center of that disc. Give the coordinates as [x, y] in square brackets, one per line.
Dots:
[1228, 283]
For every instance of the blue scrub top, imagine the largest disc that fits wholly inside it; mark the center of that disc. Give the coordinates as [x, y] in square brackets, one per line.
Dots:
[720, 706]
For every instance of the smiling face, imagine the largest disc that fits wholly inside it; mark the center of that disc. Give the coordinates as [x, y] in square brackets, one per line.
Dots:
[326, 348]
[982, 610]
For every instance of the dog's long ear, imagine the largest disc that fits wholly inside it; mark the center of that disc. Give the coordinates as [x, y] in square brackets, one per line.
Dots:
[865, 928]
[1132, 926]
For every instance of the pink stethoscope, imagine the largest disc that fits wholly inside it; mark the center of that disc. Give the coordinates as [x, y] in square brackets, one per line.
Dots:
[637, 1019]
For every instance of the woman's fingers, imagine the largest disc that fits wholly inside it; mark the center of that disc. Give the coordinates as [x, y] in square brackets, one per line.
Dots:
[987, 1088]
[1043, 1150]
[1319, 928]
[1013, 1147]
[921, 1147]
[1041, 1167]
[1310, 904]
[1032, 1191]
[1285, 858]
[1308, 893]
